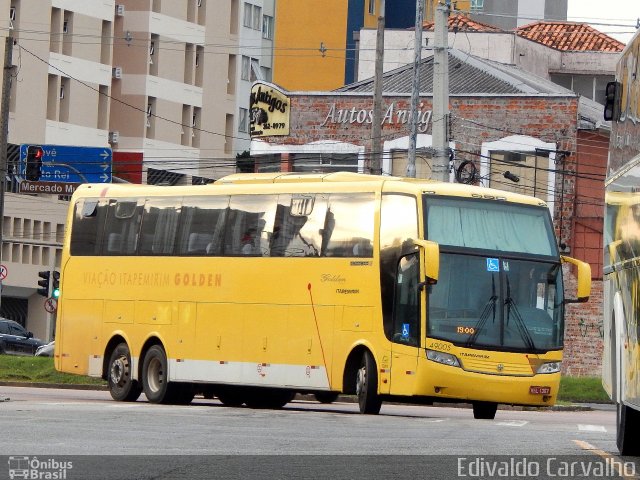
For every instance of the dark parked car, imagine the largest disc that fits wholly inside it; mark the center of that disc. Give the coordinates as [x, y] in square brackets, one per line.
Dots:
[16, 340]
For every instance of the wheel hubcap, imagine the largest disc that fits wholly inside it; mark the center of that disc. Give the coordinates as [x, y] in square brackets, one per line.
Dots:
[119, 369]
[155, 377]
[360, 382]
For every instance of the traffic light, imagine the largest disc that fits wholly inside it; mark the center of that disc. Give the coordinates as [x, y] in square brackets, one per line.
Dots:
[44, 283]
[34, 163]
[55, 286]
[613, 101]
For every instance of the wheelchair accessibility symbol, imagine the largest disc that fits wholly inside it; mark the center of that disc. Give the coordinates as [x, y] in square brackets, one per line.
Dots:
[405, 330]
[493, 265]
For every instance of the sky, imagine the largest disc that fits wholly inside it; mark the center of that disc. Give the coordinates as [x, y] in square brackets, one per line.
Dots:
[602, 12]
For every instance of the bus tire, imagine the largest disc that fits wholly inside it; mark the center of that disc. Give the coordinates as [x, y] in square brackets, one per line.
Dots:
[326, 397]
[155, 381]
[628, 423]
[121, 386]
[367, 385]
[484, 410]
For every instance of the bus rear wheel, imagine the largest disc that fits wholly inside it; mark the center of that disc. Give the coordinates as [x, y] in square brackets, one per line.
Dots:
[367, 386]
[231, 397]
[155, 382]
[121, 386]
[628, 422]
[484, 410]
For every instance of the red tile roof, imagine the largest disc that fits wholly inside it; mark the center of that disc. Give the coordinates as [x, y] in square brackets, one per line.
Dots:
[463, 23]
[570, 36]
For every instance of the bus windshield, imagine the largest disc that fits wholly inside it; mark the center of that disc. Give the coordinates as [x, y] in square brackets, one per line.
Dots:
[500, 280]
[490, 225]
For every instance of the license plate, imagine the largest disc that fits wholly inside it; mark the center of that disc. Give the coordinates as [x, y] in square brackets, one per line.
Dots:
[539, 390]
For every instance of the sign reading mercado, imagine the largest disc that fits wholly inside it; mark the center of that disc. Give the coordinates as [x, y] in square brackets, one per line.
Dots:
[270, 110]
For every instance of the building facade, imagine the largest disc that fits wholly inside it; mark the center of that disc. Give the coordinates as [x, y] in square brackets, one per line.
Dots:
[164, 84]
[573, 55]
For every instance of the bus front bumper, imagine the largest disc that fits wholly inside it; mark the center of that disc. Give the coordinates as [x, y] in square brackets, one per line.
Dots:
[454, 383]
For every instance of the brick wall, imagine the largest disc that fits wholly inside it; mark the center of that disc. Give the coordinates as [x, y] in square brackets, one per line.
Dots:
[583, 339]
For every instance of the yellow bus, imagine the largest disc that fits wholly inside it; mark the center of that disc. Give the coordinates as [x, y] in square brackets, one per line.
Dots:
[621, 286]
[261, 286]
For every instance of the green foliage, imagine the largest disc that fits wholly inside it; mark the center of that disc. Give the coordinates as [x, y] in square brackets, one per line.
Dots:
[582, 390]
[39, 370]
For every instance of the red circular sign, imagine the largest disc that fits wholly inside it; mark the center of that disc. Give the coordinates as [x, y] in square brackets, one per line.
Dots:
[50, 305]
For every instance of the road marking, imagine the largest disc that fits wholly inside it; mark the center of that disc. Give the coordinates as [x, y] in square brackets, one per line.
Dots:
[591, 428]
[615, 461]
[513, 423]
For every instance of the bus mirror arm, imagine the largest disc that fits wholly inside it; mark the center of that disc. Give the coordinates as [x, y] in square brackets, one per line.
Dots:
[583, 290]
[430, 256]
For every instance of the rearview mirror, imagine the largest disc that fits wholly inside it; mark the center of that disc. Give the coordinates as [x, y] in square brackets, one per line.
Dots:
[430, 255]
[29, 335]
[583, 288]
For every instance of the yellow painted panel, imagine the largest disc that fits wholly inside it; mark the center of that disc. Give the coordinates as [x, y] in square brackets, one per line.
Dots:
[79, 335]
[219, 333]
[153, 313]
[118, 311]
[186, 329]
[357, 319]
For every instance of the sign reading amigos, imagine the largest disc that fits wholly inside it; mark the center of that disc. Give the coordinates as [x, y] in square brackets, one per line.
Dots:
[270, 109]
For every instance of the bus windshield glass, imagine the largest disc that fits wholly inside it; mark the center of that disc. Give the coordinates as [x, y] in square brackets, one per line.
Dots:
[490, 225]
[500, 281]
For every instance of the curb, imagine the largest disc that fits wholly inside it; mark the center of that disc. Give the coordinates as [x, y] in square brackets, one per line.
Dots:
[65, 386]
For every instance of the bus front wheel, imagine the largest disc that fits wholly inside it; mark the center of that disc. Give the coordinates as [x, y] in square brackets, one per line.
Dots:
[121, 386]
[628, 421]
[155, 382]
[367, 385]
[484, 410]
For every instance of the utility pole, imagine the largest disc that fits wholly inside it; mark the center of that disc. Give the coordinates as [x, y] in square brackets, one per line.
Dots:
[4, 132]
[440, 119]
[376, 124]
[415, 91]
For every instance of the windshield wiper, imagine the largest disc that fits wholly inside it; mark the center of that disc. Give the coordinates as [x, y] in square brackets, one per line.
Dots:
[522, 328]
[490, 306]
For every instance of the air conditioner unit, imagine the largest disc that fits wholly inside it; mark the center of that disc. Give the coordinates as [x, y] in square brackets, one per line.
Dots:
[119, 10]
[114, 136]
[116, 72]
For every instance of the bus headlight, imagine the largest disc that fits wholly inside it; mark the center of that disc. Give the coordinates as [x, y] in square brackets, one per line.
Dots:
[444, 358]
[549, 367]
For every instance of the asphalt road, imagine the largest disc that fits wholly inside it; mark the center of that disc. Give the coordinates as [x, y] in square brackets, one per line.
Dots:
[55, 423]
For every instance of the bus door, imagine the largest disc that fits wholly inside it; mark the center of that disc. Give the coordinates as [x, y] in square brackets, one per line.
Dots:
[406, 325]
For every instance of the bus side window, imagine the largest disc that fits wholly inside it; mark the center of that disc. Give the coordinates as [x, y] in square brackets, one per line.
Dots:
[407, 301]
[298, 221]
[348, 229]
[201, 226]
[159, 223]
[250, 225]
[122, 226]
[88, 223]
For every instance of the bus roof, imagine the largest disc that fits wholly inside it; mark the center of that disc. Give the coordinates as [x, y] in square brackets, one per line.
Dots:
[263, 180]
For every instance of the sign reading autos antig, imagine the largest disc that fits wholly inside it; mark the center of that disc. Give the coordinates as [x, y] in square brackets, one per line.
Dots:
[270, 109]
